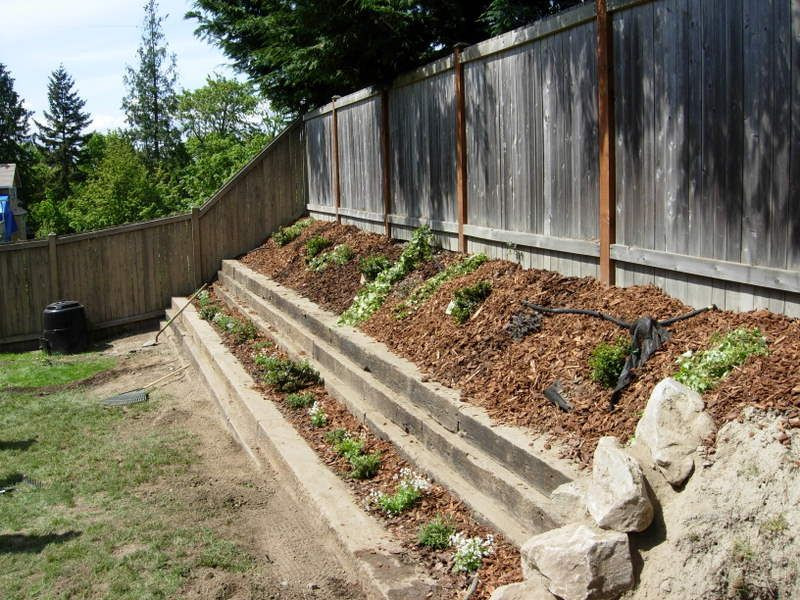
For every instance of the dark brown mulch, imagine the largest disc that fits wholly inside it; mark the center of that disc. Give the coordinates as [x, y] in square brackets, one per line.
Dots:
[507, 377]
[333, 288]
[498, 569]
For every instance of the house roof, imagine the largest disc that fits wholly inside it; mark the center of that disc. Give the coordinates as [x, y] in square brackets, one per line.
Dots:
[8, 173]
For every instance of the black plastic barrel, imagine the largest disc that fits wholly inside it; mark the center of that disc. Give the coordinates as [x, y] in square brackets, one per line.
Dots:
[65, 329]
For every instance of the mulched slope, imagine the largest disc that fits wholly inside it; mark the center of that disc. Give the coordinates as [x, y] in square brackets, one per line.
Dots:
[499, 568]
[507, 377]
[332, 288]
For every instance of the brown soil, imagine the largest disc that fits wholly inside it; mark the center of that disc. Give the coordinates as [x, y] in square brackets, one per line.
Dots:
[224, 491]
[507, 377]
[500, 568]
[332, 288]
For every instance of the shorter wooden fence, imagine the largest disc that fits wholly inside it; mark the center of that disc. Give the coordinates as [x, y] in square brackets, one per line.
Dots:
[127, 274]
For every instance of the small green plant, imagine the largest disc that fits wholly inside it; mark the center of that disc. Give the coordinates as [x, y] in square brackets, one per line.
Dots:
[742, 551]
[370, 266]
[470, 551]
[300, 400]
[315, 245]
[702, 370]
[607, 361]
[436, 533]
[286, 375]
[209, 311]
[340, 255]
[349, 446]
[317, 415]
[241, 331]
[372, 296]
[364, 466]
[467, 300]
[410, 488]
[421, 294]
[284, 235]
[774, 526]
[334, 436]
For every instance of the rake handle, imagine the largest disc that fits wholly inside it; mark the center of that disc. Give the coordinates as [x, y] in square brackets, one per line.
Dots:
[175, 316]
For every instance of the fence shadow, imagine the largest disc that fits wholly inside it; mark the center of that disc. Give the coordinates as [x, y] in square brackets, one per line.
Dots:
[33, 544]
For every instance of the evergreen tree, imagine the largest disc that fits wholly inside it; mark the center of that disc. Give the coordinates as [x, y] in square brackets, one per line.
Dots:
[13, 121]
[61, 137]
[151, 101]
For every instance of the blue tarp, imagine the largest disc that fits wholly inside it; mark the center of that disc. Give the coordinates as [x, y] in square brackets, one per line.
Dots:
[9, 224]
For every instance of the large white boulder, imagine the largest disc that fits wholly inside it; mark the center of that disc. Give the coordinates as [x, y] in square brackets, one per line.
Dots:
[617, 497]
[530, 589]
[581, 562]
[672, 427]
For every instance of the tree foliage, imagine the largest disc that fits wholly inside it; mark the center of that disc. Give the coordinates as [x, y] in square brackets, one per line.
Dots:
[151, 101]
[61, 136]
[222, 107]
[13, 120]
[301, 52]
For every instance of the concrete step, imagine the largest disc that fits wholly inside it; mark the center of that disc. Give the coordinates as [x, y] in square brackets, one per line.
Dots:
[497, 470]
[356, 538]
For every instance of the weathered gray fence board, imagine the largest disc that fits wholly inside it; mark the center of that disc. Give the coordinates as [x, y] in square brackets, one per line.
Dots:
[360, 162]
[318, 142]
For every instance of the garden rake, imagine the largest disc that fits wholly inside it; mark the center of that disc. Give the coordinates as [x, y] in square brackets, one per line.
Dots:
[141, 394]
[175, 316]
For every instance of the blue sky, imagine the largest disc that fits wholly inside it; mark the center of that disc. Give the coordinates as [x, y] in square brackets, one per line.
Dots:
[95, 39]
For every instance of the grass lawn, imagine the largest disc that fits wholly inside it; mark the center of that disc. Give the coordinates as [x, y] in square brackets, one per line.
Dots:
[105, 522]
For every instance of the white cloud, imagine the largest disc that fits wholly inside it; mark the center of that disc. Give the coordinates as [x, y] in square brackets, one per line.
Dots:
[107, 122]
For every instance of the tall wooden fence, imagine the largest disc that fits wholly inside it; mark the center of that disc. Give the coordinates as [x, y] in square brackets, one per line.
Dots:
[127, 274]
[706, 115]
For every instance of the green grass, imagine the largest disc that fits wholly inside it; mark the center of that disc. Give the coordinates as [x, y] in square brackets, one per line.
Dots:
[37, 369]
[100, 526]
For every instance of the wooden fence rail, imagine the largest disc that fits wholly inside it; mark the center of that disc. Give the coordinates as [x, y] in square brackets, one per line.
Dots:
[698, 100]
[129, 273]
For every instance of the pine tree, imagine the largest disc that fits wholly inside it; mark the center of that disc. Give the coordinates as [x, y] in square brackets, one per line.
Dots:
[61, 137]
[151, 101]
[13, 121]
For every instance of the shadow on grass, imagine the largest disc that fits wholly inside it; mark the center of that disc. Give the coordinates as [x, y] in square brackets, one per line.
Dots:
[31, 544]
[17, 444]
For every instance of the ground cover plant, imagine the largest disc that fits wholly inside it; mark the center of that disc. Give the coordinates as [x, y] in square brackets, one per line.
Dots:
[314, 245]
[370, 266]
[371, 466]
[317, 415]
[286, 375]
[101, 522]
[373, 294]
[297, 400]
[466, 300]
[287, 234]
[702, 370]
[340, 255]
[421, 294]
[436, 533]
[470, 551]
[607, 361]
[410, 488]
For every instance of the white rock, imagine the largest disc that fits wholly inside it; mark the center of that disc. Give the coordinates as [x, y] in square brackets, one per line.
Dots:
[672, 427]
[617, 497]
[581, 562]
[530, 589]
[570, 500]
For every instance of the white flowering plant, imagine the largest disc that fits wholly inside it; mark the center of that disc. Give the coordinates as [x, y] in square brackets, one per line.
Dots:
[470, 551]
[317, 415]
[410, 488]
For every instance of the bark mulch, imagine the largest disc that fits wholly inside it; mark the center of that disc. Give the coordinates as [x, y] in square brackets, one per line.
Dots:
[500, 568]
[507, 377]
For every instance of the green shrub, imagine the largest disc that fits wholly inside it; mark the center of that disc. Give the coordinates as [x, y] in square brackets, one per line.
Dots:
[436, 533]
[372, 296]
[607, 361]
[364, 466]
[300, 400]
[421, 294]
[334, 436]
[315, 245]
[370, 266]
[244, 331]
[286, 375]
[702, 370]
[467, 300]
[403, 498]
[349, 447]
[284, 235]
[340, 255]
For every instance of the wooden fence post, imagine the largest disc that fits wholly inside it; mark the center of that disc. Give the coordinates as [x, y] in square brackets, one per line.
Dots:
[197, 249]
[337, 193]
[605, 113]
[386, 163]
[55, 288]
[461, 146]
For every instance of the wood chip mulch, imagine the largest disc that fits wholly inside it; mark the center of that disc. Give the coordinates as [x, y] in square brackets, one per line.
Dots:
[507, 377]
[500, 568]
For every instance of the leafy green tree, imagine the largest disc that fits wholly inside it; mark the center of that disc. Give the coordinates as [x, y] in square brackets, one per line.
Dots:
[301, 52]
[13, 121]
[120, 190]
[61, 139]
[151, 100]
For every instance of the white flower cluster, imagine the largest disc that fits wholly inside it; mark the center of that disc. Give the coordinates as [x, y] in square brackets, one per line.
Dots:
[374, 498]
[413, 480]
[315, 410]
[469, 552]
